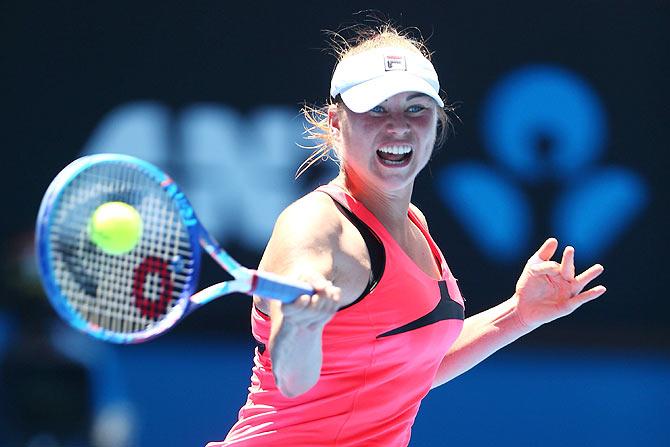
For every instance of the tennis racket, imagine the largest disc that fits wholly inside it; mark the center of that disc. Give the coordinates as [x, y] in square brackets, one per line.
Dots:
[136, 296]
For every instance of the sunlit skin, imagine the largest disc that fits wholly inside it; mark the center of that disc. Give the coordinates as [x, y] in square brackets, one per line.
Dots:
[325, 250]
[403, 119]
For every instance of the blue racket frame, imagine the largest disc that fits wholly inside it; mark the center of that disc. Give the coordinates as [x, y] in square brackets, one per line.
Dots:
[246, 280]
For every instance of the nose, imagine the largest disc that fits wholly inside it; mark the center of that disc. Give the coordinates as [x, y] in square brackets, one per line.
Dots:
[397, 124]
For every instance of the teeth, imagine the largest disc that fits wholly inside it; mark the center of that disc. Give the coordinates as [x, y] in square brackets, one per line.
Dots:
[396, 149]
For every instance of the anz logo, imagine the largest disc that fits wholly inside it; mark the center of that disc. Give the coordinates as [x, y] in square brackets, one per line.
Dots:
[543, 125]
[237, 170]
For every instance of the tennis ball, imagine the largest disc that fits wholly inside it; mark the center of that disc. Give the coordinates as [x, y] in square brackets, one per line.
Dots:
[115, 227]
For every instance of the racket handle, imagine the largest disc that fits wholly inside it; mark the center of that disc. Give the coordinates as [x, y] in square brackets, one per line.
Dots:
[270, 285]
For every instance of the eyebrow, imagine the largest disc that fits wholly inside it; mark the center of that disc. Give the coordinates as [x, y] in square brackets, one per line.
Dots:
[410, 97]
[416, 95]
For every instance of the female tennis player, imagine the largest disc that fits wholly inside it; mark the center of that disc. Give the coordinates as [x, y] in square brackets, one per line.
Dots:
[350, 365]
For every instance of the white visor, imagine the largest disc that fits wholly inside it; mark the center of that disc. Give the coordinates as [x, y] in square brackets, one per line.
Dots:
[367, 79]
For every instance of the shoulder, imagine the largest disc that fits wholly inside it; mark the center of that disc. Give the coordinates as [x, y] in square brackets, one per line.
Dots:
[304, 241]
[312, 218]
[419, 214]
[313, 238]
[305, 234]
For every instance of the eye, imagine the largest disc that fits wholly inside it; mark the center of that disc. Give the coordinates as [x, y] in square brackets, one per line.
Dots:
[416, 108]
[377, 109]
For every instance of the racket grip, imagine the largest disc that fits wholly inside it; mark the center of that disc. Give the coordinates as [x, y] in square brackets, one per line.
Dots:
[270, 285]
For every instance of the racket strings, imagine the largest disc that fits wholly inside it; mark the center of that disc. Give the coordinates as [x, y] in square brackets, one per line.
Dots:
[125, 293]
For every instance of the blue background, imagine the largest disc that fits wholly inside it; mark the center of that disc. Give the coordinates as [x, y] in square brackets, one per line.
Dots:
[561, 130]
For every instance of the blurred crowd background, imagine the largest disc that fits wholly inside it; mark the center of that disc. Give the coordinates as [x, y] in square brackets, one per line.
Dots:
[561, 130]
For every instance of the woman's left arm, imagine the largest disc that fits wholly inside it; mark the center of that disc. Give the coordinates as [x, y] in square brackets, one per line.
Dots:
[545, 291]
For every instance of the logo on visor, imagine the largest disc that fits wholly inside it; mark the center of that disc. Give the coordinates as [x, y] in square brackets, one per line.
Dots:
[393, 63]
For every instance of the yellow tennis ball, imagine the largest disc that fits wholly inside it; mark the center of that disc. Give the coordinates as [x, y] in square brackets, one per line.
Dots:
[115, 227]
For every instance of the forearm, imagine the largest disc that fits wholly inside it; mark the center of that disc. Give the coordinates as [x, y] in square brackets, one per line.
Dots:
[482, 335]
[296, 354]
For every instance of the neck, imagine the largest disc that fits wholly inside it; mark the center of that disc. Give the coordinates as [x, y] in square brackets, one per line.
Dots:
[389, 207]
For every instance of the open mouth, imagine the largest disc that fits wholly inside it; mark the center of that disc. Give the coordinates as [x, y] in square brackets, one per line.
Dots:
[395, 155]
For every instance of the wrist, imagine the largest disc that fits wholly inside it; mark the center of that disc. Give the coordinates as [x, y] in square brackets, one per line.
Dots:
[302, 328]
[523, 321]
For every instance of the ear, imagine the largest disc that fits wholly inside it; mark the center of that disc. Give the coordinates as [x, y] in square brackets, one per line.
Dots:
[335, 125]
[334, 121]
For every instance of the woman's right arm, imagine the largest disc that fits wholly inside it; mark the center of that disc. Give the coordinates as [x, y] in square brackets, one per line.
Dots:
[303, 246]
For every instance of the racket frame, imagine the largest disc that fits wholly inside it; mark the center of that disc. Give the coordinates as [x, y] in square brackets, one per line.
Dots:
[60, 302]
[245, 280]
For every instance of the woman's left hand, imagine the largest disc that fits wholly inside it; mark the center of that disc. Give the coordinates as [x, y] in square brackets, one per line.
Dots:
[548, 290]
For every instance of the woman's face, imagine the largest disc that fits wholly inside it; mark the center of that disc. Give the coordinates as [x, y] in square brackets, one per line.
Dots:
[387, 146]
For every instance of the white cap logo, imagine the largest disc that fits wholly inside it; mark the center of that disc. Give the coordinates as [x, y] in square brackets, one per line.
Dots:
[395, 63]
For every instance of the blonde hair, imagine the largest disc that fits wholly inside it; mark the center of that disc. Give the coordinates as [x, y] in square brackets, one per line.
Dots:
[364, 38]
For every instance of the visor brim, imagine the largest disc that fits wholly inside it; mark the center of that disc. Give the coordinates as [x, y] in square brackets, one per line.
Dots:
[366, 95]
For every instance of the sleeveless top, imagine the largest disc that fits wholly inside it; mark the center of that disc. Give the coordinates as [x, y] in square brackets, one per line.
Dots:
[380, 356]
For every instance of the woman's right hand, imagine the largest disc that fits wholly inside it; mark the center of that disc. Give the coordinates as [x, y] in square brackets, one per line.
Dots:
[313, 312]
[295, 339]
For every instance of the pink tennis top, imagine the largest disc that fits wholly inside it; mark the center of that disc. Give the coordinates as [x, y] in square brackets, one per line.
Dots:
[380, 356]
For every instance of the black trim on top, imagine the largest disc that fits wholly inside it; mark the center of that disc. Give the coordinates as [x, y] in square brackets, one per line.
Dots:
[446, 309]
[375, 251]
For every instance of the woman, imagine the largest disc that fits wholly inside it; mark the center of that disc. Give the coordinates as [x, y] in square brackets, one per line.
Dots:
[349, 365]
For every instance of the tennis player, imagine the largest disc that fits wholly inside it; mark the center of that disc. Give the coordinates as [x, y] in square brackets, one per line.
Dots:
[350, 365]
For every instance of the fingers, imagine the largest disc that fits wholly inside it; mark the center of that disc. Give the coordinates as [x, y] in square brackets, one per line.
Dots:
[589, 275]
[587, 296]
[568, 264]
[566, 269]
[324, 304]
[325, 294]
[319, 284]
[317, 309]
[326, 297]
[545, 252]
[329, 299]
